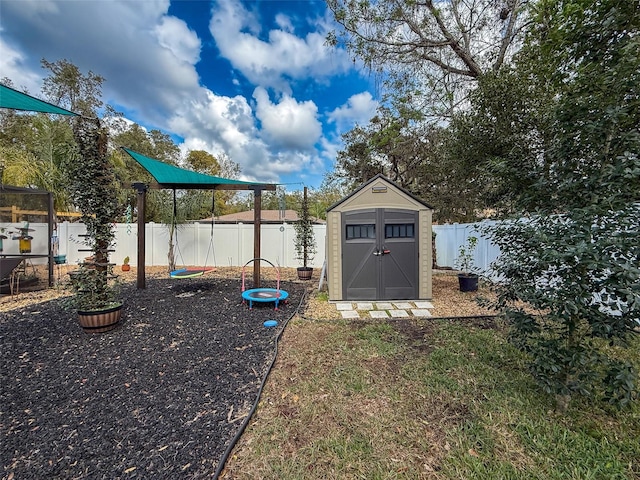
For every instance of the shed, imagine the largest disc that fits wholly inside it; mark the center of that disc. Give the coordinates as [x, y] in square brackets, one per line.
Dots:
[379, 244]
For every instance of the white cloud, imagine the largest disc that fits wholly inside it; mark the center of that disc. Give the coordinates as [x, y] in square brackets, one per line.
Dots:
[221, 123]
[123, 47]
[284, 22]
[360, 108]
[12, 66]
[174, 35]
[288, 124]
[148, 59]
[282, 56]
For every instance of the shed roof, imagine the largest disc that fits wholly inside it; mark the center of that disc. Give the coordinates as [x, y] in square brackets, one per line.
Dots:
[372, 180]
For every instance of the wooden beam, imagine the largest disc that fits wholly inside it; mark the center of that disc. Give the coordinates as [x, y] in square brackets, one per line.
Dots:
[141, 188]
[257, 213]
[50, 211]
[207, 186]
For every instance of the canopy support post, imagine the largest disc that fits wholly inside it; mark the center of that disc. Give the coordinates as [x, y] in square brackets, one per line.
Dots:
[50, 220]
[141, 189]
[257, 215]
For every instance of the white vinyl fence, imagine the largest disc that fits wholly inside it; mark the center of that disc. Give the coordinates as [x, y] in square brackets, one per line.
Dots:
[230, 245]
[449, 239]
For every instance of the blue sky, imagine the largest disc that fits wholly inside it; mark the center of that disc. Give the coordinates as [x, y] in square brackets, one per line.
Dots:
[252, 79]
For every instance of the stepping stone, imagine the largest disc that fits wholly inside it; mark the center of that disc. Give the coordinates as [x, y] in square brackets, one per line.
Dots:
[403, 305]
[399, 313]
[364, 306]
[419, 312]
[378, 314]
[423, 305]
[384, 306]
[344, 306]
[349, 314]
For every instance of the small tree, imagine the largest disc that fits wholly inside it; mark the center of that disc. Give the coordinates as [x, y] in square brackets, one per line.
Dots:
[305, 242]
[569, 269]
[466, 252]
[92, 190]
[575, 273]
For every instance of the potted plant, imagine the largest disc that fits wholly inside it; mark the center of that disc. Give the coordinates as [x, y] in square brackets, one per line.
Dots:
[125, 264]
[92, 188]
[305, 242]
[467, 279]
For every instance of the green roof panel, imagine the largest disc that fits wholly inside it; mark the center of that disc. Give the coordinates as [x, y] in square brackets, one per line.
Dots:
[15, 100]
[170, 176]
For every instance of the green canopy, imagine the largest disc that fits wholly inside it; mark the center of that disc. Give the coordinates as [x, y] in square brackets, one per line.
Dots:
[15, 100]
[169, 176]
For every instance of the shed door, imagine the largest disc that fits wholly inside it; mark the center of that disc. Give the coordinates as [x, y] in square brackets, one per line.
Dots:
[380, 254]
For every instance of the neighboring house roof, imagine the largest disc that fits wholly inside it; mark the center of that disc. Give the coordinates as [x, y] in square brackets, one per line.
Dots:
[268, 216]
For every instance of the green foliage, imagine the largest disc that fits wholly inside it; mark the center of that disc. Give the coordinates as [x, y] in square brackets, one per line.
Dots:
[570, 276]
[305, 242]
[33, 150]
[68, 87]
[93, 191]
[436, 44]
[203, 162]
[464, 260]
[428, 56]
[94, 289]
[501, 141]
[154, 144]
[579, 277]
[400, 143]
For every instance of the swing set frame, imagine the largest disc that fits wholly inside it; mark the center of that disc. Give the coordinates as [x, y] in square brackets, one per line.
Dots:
[172, 177]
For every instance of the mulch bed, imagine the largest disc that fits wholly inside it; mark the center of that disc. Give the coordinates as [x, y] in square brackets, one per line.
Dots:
[161, 397]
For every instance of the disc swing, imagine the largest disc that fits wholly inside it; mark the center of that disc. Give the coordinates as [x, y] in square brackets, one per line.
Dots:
[263, 295]
[197, 271]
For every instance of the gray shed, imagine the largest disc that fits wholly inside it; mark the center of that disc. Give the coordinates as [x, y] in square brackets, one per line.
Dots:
[379, 244]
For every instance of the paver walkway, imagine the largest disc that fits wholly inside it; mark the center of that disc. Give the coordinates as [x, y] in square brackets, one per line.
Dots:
[400, 309]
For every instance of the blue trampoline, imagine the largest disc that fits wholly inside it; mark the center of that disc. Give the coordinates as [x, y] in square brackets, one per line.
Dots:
[263, 295]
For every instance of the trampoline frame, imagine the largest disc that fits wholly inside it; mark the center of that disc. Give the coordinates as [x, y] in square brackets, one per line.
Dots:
[275, 295]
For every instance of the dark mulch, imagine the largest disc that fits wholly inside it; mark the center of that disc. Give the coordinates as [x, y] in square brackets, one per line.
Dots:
[161, 397]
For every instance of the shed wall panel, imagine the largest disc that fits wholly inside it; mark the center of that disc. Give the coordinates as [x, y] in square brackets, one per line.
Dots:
[334, 255]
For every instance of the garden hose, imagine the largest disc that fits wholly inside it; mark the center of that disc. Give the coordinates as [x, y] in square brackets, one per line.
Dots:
[236, 437]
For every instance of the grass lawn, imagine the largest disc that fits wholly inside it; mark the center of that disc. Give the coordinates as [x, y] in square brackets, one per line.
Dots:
[411, 399]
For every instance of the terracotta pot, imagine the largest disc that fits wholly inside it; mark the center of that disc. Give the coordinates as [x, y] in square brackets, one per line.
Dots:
[126, 267]
[98, 321]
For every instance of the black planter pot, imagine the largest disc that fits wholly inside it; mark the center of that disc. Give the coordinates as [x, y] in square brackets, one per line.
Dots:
[305, 273]
[468, 282]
